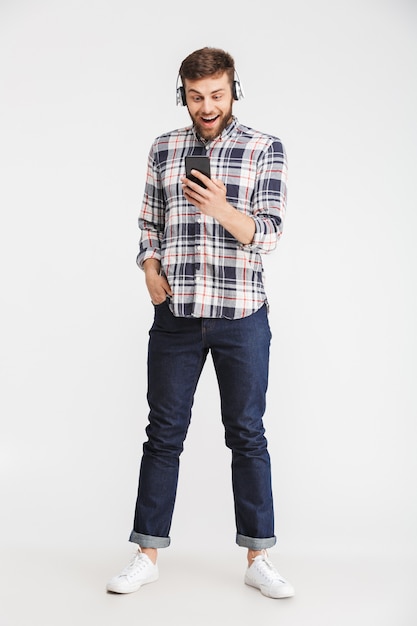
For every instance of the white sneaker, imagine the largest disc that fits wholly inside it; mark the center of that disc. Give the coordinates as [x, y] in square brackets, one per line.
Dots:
[140, 571]
[264, 576]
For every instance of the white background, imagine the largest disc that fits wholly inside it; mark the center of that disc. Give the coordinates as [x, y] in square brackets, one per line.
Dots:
[85, 86]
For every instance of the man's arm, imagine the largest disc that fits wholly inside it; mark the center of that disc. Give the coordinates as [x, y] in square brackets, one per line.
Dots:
[152, 216]
[263, 228]
[212, 201]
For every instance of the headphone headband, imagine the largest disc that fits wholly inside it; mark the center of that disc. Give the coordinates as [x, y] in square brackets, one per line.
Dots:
[237, 90]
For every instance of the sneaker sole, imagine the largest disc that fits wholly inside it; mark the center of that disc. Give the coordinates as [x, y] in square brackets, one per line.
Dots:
[123, 588]
[288, 593]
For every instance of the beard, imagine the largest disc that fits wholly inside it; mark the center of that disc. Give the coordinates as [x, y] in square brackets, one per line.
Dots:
[222, 121]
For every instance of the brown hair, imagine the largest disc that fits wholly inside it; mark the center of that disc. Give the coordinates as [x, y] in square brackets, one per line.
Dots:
[207, 62]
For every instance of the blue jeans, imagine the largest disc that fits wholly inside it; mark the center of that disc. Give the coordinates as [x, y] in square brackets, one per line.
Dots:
[178, 348]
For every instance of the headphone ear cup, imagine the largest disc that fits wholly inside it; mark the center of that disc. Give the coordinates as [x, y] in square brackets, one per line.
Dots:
[181, 99]
[237, 90]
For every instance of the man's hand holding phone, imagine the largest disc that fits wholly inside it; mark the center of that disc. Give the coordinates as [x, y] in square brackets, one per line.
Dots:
[199, 189]
[209, 197]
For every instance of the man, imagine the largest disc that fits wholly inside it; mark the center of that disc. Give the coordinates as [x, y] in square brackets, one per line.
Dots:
[200, 251]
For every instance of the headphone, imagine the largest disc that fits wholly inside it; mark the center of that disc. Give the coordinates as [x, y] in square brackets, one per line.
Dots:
[237, 90]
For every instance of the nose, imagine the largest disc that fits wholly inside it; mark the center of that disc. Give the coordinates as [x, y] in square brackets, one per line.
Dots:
[206, 106]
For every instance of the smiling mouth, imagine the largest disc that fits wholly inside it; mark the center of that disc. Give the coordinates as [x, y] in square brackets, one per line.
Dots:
[209, 120]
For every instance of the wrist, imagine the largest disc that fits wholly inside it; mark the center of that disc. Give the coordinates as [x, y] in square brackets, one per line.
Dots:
[152, 266]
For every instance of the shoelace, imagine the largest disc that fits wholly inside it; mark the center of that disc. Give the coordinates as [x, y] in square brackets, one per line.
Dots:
[137, 562]
[268, 570]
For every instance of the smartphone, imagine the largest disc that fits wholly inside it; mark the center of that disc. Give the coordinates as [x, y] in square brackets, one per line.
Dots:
[200, 163]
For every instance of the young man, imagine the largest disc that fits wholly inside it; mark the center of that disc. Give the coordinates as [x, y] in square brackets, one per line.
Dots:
[200, 251]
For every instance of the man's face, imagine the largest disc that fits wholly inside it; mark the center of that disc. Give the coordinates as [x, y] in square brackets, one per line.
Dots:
[209, 103]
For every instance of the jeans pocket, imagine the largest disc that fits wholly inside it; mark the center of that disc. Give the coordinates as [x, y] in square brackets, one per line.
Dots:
[158, 304]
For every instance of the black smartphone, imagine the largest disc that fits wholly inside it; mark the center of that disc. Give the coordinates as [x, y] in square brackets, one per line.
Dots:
[200, 163]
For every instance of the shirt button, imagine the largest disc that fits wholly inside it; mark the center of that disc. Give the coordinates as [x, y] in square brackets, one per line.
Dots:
[198, 248]
[199, 220]
[198, 278]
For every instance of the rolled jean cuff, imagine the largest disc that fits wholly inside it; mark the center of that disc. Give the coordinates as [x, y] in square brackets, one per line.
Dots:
[147, 541]
[255, 543]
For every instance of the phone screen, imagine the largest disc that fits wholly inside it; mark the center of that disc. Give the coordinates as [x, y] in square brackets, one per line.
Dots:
[200, 163]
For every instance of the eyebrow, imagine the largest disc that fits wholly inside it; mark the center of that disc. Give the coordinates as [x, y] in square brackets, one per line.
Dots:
[210, 94]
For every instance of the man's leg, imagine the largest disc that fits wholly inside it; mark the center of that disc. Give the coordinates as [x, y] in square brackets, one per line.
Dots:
[175, 359]
[240, 350]
[241, 357]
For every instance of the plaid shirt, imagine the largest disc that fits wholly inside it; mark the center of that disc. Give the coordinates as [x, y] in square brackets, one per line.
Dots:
[210, 273]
